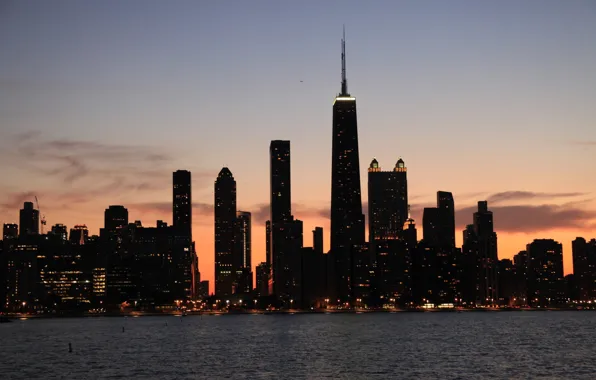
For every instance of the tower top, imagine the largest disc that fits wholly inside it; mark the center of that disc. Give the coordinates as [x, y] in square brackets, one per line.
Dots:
[344, 80]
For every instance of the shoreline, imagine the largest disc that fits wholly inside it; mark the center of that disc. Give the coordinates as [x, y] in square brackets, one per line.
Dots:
[137, 314]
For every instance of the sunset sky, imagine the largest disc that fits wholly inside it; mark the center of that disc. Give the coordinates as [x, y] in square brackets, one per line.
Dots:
[100, 101]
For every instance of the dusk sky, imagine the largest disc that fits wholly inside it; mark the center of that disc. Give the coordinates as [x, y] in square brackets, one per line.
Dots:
[100, 101]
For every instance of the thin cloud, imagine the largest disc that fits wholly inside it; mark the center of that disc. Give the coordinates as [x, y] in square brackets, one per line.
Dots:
[508, 196]
[529, 218]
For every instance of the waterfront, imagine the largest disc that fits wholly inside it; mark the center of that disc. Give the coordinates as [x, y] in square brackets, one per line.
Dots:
[351, 346]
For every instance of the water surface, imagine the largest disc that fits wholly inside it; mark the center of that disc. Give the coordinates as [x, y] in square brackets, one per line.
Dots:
[492, 345]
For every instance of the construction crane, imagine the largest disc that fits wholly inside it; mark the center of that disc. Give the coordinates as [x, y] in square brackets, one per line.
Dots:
[43, 217]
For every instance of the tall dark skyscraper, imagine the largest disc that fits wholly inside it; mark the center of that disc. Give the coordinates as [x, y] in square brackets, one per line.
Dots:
[446, 208]
[242, 252]
[545, 282]
[487, 253]
[28, 220]
[281, 215]
[115, 217]
[281, 193]
[387, 201]
[584, 268]
[182, 202]
[347, 220]
[317, 239]
[225, 220]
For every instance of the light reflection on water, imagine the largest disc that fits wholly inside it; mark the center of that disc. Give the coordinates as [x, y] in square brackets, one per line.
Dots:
[351, 346]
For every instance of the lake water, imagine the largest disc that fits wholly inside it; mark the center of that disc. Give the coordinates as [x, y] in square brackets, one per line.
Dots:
[490, 345]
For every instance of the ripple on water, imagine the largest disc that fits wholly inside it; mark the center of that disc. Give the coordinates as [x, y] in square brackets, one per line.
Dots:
[350, 346]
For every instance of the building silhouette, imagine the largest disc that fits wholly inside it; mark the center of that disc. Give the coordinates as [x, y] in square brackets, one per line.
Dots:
[242, 253]
[28, 220]
[347, 220]
[182, 202]
[60, 231]
[10, 231]
[446, 219]
[544, 275]
[79, 234]
[115, 218]
[387, 201]
[285, 237]
[225, 219]
[584, 268]
[487, 250]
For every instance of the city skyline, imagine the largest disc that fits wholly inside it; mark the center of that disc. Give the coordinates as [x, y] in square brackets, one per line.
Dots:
[534, 190]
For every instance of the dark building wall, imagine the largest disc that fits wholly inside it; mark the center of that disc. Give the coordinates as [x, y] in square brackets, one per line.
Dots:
[283, 251]
[446, 219]
[28, 220]
[115, 217]
[10, 231]
[545, 280]
[387, 201]
[584, 268]
[262, 277]
[225, 219]
[347, 220]
[487, 252]
[182, 202]
[317, 239]
[242, 253]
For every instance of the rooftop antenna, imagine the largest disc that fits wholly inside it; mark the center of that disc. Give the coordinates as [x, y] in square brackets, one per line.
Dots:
[344, 80]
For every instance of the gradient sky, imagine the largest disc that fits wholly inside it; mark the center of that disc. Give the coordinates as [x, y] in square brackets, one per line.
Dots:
[101, 101]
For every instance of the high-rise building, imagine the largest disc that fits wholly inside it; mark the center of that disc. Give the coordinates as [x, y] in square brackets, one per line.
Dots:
[487, 254]
[584, 268]
[79, 234]
[446, 208]
[281, 219]
[347, 220]
[387, 201]
[317, 239]
[60, 231]
[10, 231]
[545, 280]
[28, 220]
[262, 277]
[281, 190]
[242, 252]
[115, 218]
[225, 219]
[182, 202]
[439, 222]
[268, 242]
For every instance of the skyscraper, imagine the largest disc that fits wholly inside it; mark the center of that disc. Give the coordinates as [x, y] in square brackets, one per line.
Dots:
[387, 201]
[182, 202]
[281, 215]
[242, 252]
[584, 268]
[545, 282]
[446, 216]
[317, 239]
[60, 231]
[79, 234]
[115, 218]
[225, 217]
[347, 220]
[10, 231]
[487, 254]
[28, 220]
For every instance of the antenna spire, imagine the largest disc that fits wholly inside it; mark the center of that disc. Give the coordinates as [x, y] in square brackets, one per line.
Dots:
[344, 80]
